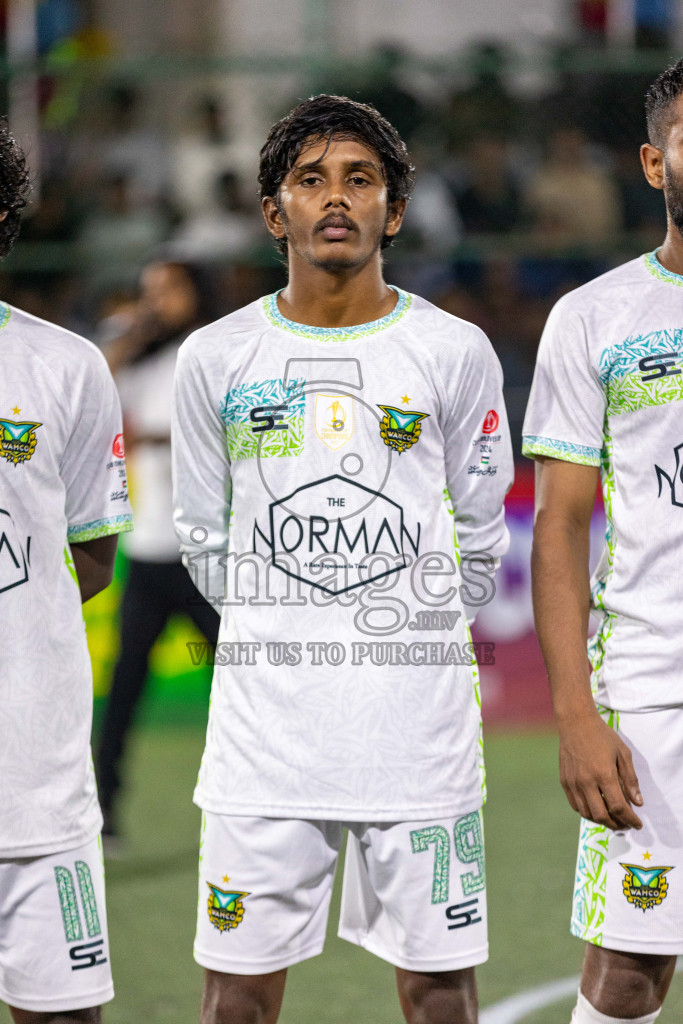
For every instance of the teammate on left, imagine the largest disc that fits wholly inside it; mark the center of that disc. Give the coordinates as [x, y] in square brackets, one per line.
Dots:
[63, 500]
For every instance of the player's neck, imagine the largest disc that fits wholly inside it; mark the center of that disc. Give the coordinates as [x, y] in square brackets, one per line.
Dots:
[670, 254]
[320, 298]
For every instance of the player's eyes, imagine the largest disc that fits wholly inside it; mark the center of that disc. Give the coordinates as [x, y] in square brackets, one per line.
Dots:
[357, 179]
[310, 179]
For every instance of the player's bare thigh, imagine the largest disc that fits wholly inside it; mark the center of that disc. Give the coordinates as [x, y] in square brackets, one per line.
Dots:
[241, 998]
[93, 1015]
[625, 984]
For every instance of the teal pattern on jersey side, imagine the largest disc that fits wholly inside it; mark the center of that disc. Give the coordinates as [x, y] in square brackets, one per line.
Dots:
[476, 681]
[661, 273]
[566, 451]
[597, 645]
[236, 409]
[622, 377]
[99, 528]
[71, 918]
[88, 899]
[276, 318]
[590, 886]
[5, 314]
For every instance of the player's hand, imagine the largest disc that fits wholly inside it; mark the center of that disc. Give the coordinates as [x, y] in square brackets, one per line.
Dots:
[597, 774]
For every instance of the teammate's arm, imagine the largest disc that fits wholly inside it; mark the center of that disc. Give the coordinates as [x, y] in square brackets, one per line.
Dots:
[596, 768]
[94, 562]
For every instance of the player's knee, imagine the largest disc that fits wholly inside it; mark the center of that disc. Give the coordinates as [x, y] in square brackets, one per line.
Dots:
[229, 1001]
[437, 998]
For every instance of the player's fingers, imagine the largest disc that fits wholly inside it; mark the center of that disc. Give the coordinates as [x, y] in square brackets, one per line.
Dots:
[618, 806]
[627, 776]
[576, 802]
[598, 811]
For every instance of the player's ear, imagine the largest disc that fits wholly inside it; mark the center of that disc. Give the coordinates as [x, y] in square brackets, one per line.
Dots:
[272, 216]
[652, 159]
[3, 214]
[397, 210]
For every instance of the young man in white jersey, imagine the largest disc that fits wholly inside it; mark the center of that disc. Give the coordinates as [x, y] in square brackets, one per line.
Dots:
[63, 500]
[607, 397]
[327, 440]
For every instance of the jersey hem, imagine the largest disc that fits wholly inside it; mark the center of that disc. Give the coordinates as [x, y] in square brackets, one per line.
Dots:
[99, 528]
[341, 814]
[447, 963]
[229, 965]
[47, 849]
[663, 947]
[61, 1004]
[566, 451]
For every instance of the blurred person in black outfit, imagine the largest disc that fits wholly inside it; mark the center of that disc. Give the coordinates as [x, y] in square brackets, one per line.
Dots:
[173, 302]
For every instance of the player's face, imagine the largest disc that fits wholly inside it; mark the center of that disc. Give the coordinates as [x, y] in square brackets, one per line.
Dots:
[332, 206]
[673, 168]
[664, 167]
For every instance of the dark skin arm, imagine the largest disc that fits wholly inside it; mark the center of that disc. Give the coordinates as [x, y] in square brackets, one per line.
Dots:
[596, 768]
[94, 561]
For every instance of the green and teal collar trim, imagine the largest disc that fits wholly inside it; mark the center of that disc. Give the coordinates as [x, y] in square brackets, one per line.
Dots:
[660, 272]
[276, 318]
[5, 314]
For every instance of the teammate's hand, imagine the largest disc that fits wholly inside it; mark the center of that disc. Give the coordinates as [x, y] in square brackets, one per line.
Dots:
[596, 772]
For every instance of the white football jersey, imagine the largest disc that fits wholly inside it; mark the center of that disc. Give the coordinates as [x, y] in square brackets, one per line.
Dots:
[606, 393]
[62, 480]
[319, 463]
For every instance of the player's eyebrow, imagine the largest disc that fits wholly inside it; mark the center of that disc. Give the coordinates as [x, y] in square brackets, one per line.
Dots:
[314, 165]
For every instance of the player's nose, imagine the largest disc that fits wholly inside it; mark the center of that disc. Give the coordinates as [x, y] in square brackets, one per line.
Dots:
[336, 195]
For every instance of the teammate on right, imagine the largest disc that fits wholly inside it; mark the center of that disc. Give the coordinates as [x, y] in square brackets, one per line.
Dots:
[607, 394]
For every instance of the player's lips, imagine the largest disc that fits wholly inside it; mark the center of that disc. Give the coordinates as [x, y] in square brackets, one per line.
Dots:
[335, 228]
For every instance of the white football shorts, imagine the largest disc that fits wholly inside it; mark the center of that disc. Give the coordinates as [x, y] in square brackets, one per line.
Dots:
[54, 949]
[413, 894]
[628, 893]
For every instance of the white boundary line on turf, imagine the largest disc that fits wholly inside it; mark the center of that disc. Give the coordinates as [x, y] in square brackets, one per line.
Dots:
[516, 1008]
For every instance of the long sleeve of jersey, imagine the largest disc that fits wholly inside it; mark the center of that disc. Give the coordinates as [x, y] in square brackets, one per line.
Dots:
[201, 476]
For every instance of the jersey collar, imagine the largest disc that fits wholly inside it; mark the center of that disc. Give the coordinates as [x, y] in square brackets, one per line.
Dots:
[661, 273]
[273, 313]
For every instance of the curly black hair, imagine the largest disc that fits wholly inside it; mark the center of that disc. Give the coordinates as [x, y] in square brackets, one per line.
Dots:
[324, 117]
[659, 101]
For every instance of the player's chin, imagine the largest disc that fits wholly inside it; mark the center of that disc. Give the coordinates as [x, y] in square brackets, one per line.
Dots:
[338, 261]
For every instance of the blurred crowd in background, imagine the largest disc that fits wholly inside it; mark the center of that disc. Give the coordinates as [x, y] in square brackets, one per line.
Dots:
[520, 195]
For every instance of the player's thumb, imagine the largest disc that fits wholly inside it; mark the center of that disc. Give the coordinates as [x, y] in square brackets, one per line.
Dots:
[628, 777]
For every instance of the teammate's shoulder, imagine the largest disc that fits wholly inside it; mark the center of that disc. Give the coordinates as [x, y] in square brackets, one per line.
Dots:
[60, 348]
[438, 329]
[623, 284]
[212, 338]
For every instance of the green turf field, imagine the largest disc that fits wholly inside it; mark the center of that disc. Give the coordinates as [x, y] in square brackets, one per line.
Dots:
[530, 838]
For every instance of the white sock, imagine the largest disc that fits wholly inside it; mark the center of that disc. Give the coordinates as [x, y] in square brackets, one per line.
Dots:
[584, 1013]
